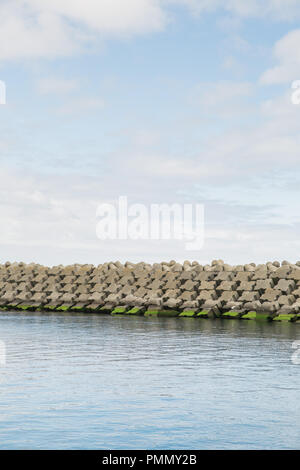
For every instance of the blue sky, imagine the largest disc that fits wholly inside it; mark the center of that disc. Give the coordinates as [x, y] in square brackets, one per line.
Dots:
[159, 100]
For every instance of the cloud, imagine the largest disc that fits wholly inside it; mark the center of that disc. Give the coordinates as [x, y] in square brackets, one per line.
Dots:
[27, 34]
[108, 16]
[54, 85]
[62, 226]
[222, 98]
[31, 29]
[276, 9]
[286, 52]
[81, 105]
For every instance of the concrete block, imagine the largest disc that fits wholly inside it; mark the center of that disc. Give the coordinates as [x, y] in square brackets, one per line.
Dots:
[126, 281]
[83, 280]
[156, 284]
[249, 296]
[227, 286]
[190, 305]
[126, 290]
[189, 286]
[211, 308]
[170, 276]
[224, 276]
[25, 286]
[143, 282]
[294, 275]
[177, 267]
[285, 285]
[97, 297]
[270, 295]
[260, 274]
[114, 299]
[187, 276]
[263, 284]
[187, 295]
[99, 288]
[38, 298]
[141, 292]
[204, 276]
[207, 295]
[171, 294]
[172, 284]
[7, 298]
[227, 296]
[173, 303]
[68, 288]
[281, 273]
[113, 288]
[207, 285]
[269, 307]
[243, 276]
[153, 302]
[10, 287]
[252, 306]
[41, 278]
[286, 300]
[245, 286]
[296, 292]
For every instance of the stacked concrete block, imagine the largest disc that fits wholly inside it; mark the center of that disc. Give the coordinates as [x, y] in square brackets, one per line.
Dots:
[271, 290]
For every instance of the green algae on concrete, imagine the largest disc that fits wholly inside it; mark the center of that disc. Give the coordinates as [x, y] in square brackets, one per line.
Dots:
[208, 313]
[118, 310]
[77, 309]
[151, 313]
[263, 316]
[231, 314]
[25, 307]
[188, 314]
[203, 314]
[249, 316]
[135, 311]
[63, 308]
[104, 309]
[284, 317]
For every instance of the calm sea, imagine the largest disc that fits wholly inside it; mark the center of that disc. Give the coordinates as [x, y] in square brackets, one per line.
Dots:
[81, 381]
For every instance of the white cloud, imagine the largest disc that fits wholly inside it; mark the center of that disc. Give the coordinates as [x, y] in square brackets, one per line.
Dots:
[56, 85]
[32, 29]
[287, 53]
[27, 34]
[54, 28]
[276, 9]
[223, 97]
[48, 221]
[108, 16]
[81, 105]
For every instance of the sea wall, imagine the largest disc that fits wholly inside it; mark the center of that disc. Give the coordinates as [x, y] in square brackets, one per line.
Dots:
[268, 291]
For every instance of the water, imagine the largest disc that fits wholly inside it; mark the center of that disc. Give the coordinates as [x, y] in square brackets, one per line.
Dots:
[78, 381]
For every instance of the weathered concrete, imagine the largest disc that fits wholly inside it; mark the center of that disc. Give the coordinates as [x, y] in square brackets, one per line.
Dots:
[270, 291]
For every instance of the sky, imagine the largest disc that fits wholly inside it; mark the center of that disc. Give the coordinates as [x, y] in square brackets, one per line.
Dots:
[161, 101]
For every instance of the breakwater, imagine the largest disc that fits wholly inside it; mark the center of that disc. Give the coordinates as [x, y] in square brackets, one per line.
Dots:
[268, 291]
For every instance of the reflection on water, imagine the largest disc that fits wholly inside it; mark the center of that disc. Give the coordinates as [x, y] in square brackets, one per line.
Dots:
[94, 381]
